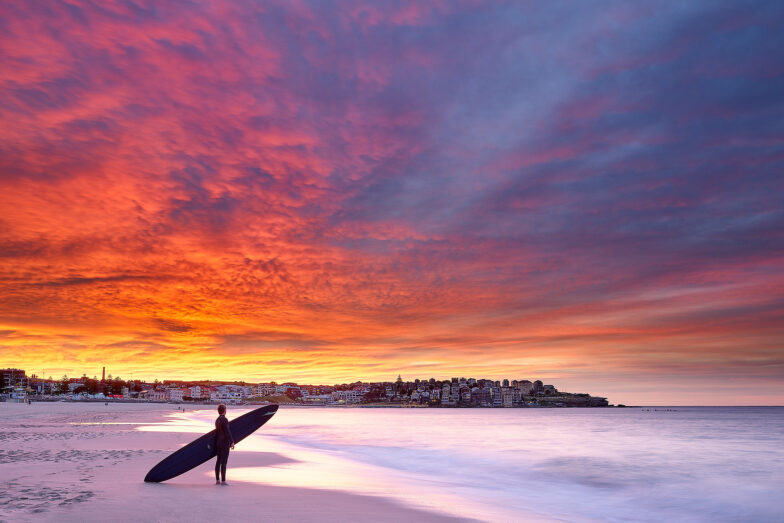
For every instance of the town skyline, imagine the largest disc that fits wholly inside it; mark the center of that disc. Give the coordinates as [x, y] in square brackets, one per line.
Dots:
[108, 376]
[15, 385]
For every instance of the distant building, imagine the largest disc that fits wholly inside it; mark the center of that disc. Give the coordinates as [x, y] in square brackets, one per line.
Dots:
[507, 396]
[10, 378]
[41, 386]
[264, 389]
[526, 387]
[435, 395]
[347, 396]
[480, 396]
[227, 394]
[195, 392]
[176, 394]
[154, 395]
[498, 400]
[446, 394]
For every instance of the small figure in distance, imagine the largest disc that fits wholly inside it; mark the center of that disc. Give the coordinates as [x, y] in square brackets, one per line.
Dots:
[223, 442]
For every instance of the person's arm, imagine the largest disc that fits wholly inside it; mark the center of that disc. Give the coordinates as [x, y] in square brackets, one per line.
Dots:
[228, 430]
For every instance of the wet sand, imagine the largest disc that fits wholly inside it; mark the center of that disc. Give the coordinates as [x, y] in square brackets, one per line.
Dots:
[86, 462]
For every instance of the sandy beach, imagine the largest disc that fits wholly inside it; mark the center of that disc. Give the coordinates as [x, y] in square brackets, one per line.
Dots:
[86, 461]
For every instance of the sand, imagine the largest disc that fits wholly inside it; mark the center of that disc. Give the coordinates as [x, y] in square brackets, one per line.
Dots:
[86, 462]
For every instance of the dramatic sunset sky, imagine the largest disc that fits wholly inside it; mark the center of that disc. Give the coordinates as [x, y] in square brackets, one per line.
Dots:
[588, 193]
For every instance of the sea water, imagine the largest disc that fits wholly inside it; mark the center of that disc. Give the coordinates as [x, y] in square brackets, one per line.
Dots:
[633, 464]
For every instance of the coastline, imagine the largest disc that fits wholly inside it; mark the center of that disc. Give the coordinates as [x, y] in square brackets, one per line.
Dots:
[254, 404]
[86, 461]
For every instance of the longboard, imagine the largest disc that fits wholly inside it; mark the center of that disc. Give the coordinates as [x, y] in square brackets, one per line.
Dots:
[203, 449]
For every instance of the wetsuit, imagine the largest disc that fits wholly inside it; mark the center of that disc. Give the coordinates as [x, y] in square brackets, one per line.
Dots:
[223, 442]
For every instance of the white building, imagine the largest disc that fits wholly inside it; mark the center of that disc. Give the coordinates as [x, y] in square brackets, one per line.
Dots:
[346, 396]
[264, 389]
[176, 394]
[196, 392]
[507, 397]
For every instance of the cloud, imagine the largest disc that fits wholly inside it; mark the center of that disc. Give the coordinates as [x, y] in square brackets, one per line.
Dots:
[352, 190]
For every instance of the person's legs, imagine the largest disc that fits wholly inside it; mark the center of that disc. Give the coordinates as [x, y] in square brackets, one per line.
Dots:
[224, 462]
[218, 461]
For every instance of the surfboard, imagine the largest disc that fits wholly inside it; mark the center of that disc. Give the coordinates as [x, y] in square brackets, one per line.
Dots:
[203, 449]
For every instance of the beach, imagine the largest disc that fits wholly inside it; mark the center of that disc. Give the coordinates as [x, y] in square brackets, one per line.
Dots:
[66, 461]
[86, 462]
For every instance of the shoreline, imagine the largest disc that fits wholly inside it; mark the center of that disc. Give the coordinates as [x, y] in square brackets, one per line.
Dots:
[300, 405]
[181, 406]
[86, 461]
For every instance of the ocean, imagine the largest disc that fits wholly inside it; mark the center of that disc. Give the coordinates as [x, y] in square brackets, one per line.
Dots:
[633, 464]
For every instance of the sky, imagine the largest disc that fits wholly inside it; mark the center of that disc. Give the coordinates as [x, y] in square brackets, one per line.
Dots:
[587, 193]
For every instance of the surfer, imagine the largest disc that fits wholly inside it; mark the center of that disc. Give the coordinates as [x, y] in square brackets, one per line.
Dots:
[223, 442]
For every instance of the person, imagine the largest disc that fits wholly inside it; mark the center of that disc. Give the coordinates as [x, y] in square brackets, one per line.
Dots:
[223, 442]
